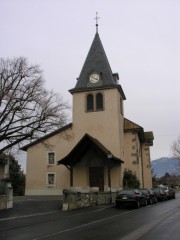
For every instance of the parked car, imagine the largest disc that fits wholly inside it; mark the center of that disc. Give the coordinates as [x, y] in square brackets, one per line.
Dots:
[173, 193]
[160, 194]
[131, 197]
[149, 194]
[169, 191]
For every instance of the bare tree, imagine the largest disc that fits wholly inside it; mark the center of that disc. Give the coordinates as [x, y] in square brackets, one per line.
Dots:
[27, 110]
[175, 148]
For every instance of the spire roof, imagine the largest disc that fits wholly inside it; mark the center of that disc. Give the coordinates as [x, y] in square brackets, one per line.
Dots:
[96, 62]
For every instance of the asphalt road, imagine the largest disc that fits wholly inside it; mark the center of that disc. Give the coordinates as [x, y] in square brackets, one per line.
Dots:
[160, 221]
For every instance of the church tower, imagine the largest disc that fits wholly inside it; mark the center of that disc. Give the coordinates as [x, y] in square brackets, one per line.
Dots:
[98, 101]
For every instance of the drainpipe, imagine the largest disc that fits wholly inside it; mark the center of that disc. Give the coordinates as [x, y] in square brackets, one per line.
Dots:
[71, 176]
[109, 156]
[142, 166]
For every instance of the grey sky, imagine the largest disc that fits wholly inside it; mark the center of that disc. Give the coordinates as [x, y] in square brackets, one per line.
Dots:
[141, 39]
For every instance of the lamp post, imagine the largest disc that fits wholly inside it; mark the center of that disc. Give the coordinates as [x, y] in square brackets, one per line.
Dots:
[109, 156]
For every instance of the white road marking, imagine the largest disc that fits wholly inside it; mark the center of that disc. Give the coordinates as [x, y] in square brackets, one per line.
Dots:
[83, 225]
[26, 216]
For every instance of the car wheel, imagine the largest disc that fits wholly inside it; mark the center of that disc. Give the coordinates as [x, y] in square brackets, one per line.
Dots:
[137, 204]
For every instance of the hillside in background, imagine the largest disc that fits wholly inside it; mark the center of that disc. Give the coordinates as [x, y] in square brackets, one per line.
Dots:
[165, 165]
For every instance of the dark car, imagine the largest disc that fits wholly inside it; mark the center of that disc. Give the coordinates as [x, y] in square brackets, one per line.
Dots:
[173, 193]
[131, 197]
[160, 194]
[149, 194]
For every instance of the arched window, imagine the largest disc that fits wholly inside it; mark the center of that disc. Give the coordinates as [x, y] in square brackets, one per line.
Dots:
[99, 101]
[90, 102]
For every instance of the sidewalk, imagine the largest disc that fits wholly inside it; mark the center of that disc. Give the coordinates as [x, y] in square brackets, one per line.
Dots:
[30, 205]
[37, 205]
[34, 206]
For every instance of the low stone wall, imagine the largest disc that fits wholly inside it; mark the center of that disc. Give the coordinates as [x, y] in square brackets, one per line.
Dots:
[6, 195]
[6, 202]
[73, 200]
[3, 202]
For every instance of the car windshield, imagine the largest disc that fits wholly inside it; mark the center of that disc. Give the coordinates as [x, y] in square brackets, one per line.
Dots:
[126, 192]
[163, 187]
[144, 190]
[155, 189]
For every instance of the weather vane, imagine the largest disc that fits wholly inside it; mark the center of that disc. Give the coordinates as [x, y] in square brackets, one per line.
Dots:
[96, 22]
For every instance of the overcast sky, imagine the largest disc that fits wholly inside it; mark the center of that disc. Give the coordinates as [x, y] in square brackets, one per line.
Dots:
[141, 39]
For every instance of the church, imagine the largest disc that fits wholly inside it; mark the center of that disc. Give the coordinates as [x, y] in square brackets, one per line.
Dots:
[94, 150]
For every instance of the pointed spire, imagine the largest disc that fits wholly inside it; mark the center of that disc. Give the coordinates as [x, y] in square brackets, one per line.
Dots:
[96, 62]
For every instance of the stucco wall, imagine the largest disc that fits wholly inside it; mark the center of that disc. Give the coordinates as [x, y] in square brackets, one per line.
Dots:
[38, 168]
[133, 156]
[146, 166]
[106, 126]
[137, 159]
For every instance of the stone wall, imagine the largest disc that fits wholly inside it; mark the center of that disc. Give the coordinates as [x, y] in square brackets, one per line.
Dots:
[76, 199]
[6, 195]
[3, 202]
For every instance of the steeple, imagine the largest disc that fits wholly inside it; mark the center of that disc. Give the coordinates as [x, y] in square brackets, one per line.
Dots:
[96, 71]
[96, 62]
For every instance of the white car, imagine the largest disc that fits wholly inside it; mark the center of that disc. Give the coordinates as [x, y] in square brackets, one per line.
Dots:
[166, 190]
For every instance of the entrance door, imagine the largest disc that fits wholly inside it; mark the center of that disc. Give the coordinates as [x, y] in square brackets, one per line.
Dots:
[96, 177]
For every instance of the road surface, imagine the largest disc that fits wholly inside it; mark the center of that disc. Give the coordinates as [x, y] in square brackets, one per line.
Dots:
[158, 221]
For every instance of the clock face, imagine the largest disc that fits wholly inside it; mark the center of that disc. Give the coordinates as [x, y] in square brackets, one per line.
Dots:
[94, 78]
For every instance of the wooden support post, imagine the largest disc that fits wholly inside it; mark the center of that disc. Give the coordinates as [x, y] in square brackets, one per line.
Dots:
[71, 176]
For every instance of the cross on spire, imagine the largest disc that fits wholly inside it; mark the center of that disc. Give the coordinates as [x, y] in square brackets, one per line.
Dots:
[96, 22]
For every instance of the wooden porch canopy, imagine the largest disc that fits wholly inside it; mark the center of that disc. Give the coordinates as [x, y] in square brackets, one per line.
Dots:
[82, 147]
[87, 142]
